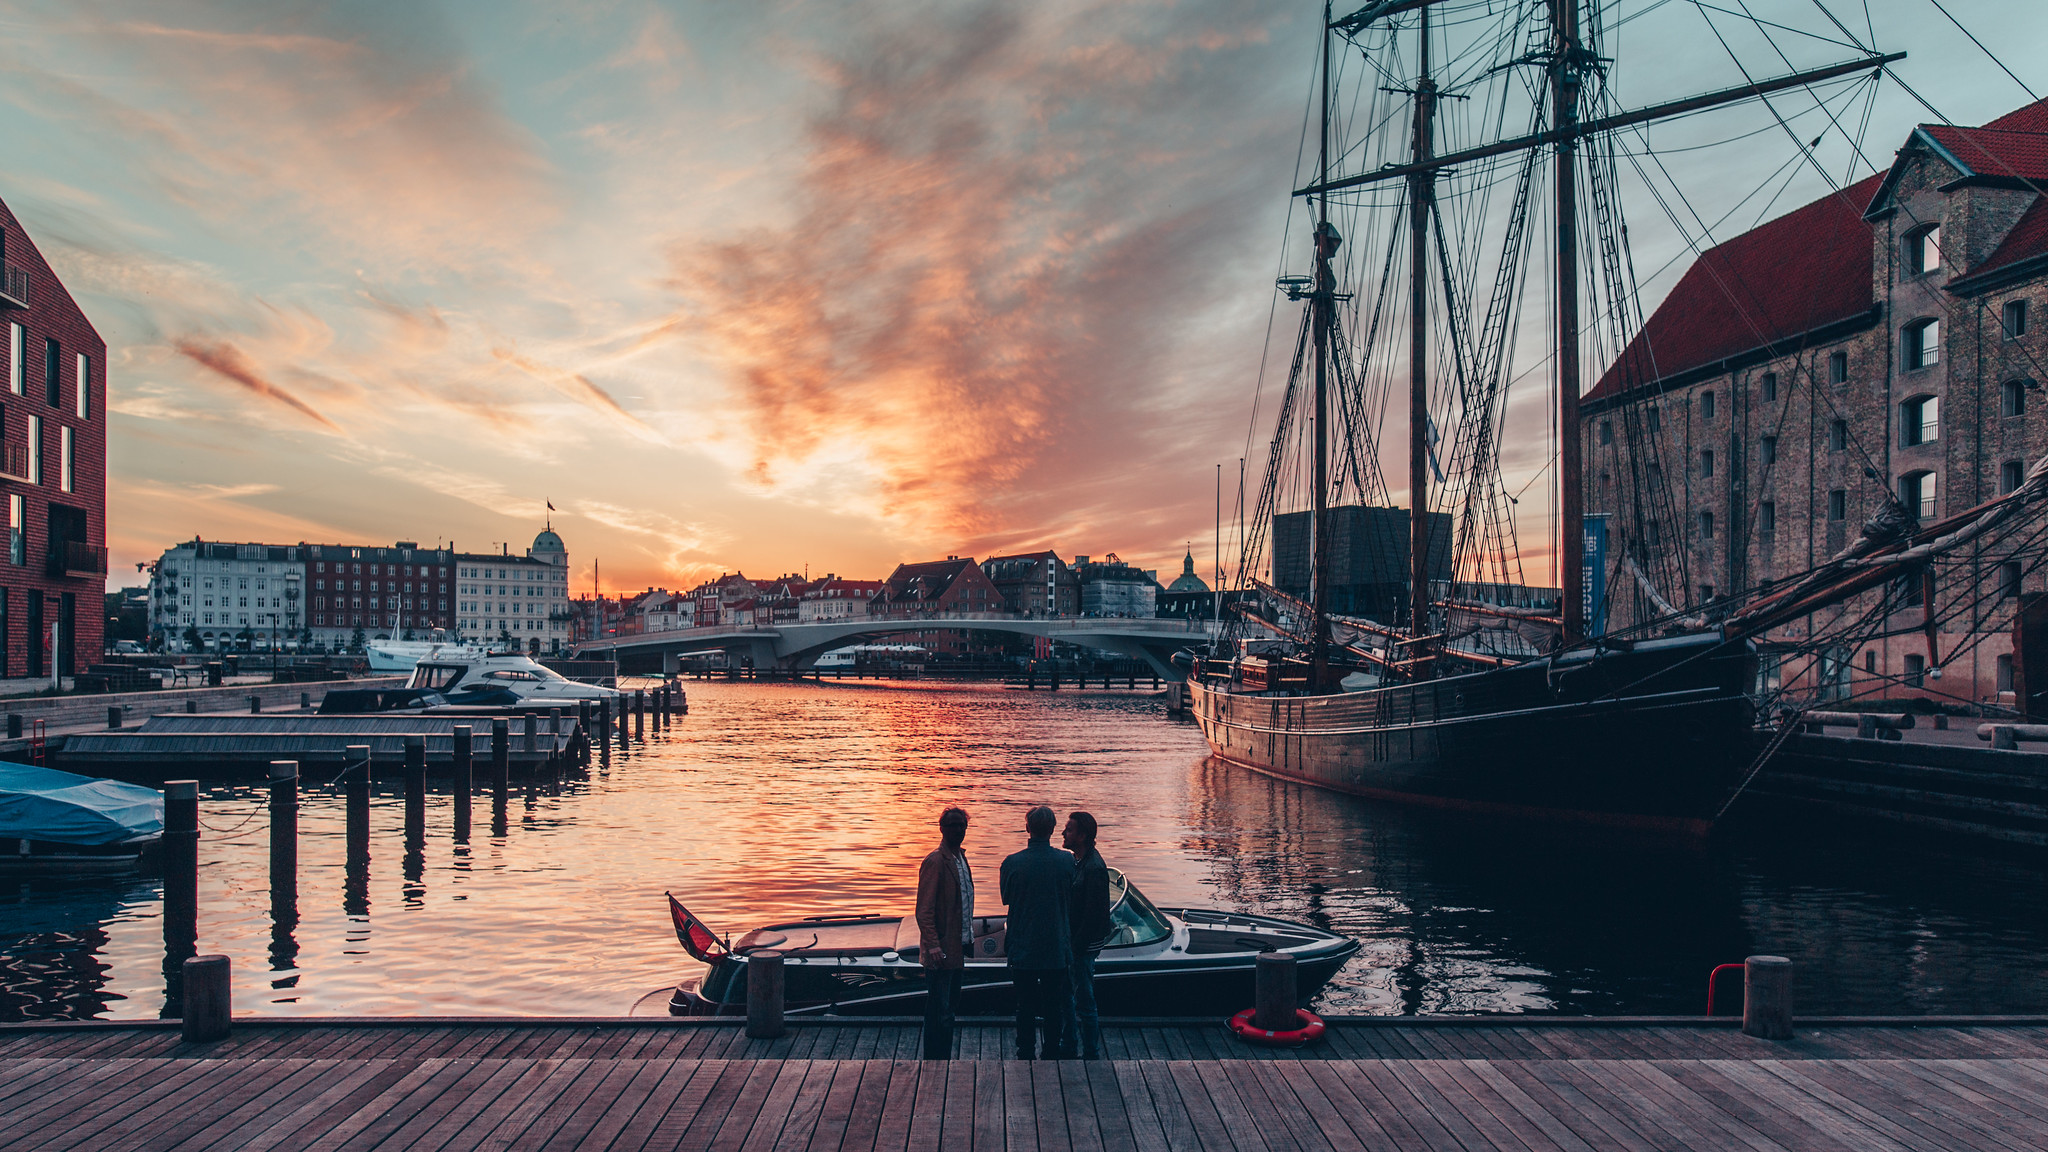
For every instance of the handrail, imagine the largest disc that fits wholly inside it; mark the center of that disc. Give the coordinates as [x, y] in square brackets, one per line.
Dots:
[1716, 975]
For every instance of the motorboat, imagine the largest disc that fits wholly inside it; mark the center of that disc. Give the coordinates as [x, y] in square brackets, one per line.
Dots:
[53, 821]
[1158, 962]
[404, 655]
[498, 679]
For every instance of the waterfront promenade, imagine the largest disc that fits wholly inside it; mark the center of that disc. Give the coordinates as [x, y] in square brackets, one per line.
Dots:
[1445, 1084]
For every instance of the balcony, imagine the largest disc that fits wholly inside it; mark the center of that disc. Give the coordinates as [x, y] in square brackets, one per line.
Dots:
[14, 462]
[13, 287]
[76, 559]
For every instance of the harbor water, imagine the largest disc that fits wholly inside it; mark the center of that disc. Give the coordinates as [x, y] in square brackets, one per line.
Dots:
[777, 801]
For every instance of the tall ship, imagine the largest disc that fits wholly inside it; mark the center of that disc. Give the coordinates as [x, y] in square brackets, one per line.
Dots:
[1443, 198]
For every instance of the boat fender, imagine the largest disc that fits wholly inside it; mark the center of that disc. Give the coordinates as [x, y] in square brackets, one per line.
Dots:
[1310, 1028]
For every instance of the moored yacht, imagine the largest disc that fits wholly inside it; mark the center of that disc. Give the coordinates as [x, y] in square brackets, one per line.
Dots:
[1159, 962]
[500, 679]
[403, 655]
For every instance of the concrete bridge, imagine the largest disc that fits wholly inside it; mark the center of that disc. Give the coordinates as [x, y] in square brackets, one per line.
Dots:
[795, 647]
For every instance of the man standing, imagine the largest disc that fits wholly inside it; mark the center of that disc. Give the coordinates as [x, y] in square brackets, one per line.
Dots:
[1037, 884]
[1089, 928]
[945, 929]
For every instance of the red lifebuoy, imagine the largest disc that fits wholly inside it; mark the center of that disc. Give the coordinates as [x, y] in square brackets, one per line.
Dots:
[1311, 1028]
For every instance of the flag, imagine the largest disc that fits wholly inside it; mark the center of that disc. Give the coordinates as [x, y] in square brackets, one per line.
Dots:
[696, 939]
[551, 506]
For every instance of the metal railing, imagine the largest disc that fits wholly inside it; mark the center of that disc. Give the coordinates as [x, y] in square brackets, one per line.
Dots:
[14, 461]
[84, 559]
[14, 286]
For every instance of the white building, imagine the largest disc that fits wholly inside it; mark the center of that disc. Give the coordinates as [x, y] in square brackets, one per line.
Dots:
[837, 599]
[522, 599]
[220, 594]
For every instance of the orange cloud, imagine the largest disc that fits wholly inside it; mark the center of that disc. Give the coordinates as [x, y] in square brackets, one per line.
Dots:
[226, 360]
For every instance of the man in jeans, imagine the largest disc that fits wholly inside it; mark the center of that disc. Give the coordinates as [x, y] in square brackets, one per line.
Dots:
[1037, 884]
[945, 929]
[1089, 928]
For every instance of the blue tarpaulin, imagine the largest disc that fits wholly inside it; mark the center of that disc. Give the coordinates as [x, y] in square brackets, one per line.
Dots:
[45, 804]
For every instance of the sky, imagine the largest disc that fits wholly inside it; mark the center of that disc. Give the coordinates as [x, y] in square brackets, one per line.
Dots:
[765, 287]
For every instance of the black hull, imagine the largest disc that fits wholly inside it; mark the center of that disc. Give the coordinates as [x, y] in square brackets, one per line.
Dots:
[1656, 737]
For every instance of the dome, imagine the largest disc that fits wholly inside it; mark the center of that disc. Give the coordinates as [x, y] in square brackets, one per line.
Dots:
[547, 541]
[1187, 581]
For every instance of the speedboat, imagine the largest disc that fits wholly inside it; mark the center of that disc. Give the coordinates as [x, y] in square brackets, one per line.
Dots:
[53, 821]
[1158, 962]
[404, 655]
[486, 679]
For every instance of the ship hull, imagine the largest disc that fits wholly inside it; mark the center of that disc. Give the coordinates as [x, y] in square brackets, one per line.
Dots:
[1656, 737]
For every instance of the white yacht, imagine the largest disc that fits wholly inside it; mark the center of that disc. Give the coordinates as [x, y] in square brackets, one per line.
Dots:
[402, 655]
[499, 679]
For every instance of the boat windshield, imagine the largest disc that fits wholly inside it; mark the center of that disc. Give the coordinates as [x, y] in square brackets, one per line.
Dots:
[436, 676]
[1133, 918]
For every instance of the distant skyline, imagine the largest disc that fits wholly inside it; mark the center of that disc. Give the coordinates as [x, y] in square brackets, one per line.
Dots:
[736, 287]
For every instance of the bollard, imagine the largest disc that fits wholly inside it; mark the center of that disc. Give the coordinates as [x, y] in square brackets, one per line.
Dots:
[2003, 736]
[255, 703]
[181, 868]
[1275, 1000]
[639, 712]
[462, 736]
[113, 716]
[604, 717]
[191, 706]
[356, 787]
[305, 700]
[207, 999]
[764, 994]
[284, 838]
[1767, 997]
[501, 757]
[554, 722]
[683, 701]
[415, 791]
[532, 730]
[14, 725]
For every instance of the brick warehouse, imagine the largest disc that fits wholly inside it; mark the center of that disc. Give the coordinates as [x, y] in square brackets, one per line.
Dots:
[1887, 340]
[53, 467]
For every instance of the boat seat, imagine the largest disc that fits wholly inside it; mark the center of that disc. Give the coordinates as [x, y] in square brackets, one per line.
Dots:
[988, 936]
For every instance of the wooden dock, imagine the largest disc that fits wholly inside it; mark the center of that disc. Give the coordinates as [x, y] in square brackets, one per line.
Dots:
[1513, 1085]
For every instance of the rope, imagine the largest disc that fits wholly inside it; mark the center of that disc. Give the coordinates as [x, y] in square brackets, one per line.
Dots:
[1770, 750]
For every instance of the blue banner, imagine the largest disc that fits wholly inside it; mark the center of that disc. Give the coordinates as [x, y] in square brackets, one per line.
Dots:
[1593, 582]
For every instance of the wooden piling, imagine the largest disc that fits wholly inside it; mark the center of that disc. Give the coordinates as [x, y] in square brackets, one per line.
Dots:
[181, 872]
[415, 792]
[191, 706]
[113, 716]
[305, 700]
[1766, 997]
[461, 757]
[764, 994]
[284, 840]
[501, 757]
[208, 999]
[1275, 999]
[532, 732]
[356, 787]
[255, 703]
[639, 712]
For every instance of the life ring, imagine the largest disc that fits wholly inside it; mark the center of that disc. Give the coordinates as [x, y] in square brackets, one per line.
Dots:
[1311, 1028]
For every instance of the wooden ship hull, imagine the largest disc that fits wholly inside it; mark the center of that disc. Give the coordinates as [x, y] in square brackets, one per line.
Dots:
[1653, 736]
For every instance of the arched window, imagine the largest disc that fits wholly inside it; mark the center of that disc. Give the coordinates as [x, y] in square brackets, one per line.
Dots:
[1919, 421]
[2013, 398]
[1923, 343]
[1917, 493]
[2011, 475]
[1923, 250]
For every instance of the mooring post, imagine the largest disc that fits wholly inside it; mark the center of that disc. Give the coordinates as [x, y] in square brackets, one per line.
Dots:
[181, 872]
[284, 840]
[554, 723]
[639, 712]
[255, 703]
[1767, 997]
[461, 754]
[305, 700]
[356, 787]
[501, 757]
[208, 999]
[113, 716]
[2003, 737]
[1274, 1000]
[764, 994]
[532, 731]
[415, 792]
[604, 717]
[682, 701]
[14, 724]
[15, 721]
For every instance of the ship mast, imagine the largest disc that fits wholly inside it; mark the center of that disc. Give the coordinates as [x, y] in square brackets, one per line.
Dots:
[1421, 197]
[1565, 85]
[1322, 309]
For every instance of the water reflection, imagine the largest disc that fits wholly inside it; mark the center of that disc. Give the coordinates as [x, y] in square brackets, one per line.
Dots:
[772, 801]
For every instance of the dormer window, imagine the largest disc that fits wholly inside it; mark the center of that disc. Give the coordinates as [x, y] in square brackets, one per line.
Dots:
[1923, 343]
[1923, 250]
[1920, 421]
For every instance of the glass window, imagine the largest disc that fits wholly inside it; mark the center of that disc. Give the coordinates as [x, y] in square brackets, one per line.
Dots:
[2010, 475]
[1706, 525]
[1923, 250]
[1916, 670]
[53, 373]
[1920, 421]
[1706, 405]
[1917, 493]
[2009, 576]
[35, 449]
[1707, 462]
[1767, 516]
[1132, 917]
[84, 389]
[1838, 367]
[2015, 324]
[1767, 449]
[67, 442]
[2013, 398]
[17, 530]
[1923, 343]
[1838, 504]
[1769, 386]
[17, 360]
[1838, 435]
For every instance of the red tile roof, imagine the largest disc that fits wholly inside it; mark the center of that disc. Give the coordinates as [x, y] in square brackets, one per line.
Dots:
[2028, 238]
[1993, 152]
[1806, 269]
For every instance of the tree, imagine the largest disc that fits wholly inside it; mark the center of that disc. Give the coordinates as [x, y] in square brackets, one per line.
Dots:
[355, 642]
[245, 638]
[193, 641]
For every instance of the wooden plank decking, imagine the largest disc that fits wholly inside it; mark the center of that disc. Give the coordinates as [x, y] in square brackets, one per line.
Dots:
[640, 1084]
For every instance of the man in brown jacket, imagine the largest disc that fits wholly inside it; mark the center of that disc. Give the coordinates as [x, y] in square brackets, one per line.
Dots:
[945, 929]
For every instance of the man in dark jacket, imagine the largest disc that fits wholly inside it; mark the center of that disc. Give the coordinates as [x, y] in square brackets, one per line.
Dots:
[1089, 928]
[945, 929]
[1037, 884]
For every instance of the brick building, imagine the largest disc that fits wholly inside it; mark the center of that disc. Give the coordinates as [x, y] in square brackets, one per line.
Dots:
[1886, 341]
[398, 592]
[937, 588]
[53, 467]
[1035, 583]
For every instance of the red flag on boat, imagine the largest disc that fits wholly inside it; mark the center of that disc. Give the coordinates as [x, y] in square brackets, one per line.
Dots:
[697, 940]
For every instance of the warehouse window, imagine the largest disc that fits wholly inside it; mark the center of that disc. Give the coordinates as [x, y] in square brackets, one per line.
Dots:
[1838, 367]
[1923, 343]
[1920, 421]
[1838, 435]
[1707, 462]
[1916, 492]
[1923, 250]
[1769, 386]
[2012, 398]
[1916, 670]
[1706, 405]
[1767, 449]
[2009, 576]
[1606, 432]
[2010, 475]
[1838, 504]
[2015, 325]
[1706, 525]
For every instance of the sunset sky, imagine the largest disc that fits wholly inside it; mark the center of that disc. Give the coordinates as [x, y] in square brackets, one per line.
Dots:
[750, 286]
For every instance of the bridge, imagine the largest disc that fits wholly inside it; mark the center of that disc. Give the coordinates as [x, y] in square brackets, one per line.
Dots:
[796, 647]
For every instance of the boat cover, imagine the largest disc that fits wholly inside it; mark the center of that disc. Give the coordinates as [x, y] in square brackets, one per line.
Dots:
[45, 804]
